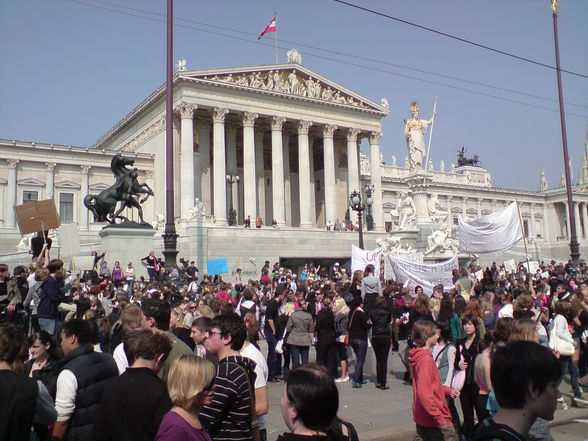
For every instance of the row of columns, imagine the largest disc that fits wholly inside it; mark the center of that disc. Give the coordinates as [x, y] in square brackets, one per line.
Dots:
[253, 166]
[581, 222]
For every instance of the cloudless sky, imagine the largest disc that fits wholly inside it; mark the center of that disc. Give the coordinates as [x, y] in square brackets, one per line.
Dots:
[70, 70]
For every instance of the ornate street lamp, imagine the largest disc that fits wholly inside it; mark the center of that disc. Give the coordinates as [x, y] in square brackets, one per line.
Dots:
[356, 205]
[232, 215]
[369, 218]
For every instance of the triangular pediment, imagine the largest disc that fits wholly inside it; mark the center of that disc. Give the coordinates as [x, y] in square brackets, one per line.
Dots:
[68, 185]
[99, 186]
[290, 80]
[31, 182]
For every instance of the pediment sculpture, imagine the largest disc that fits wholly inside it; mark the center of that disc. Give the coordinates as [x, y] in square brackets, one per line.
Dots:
[290, 81]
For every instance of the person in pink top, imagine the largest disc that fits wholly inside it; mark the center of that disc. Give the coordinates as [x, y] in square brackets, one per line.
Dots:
[430, 411]
[189, 383]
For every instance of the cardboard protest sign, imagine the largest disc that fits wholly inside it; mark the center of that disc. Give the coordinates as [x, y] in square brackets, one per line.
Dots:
[510, 265]
[35, 216]
[69, 240]
[218, 266]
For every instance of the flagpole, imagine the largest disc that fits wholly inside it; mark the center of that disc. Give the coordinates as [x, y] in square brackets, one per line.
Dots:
[276, 39]
[523, 233]
[431, 134]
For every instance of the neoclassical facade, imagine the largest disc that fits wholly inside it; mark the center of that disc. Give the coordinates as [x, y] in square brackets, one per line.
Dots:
[278, 141]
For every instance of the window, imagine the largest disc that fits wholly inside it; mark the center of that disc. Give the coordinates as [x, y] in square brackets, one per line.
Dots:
[526, 227]
[455, 221]
[66, 207]
[28, 196]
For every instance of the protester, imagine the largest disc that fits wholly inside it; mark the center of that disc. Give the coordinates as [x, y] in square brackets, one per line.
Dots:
[525, 377]
[23, 401]
[430, 411]
[326, 334]
[371, 288]
[83, 377]
[342, 325]
[44, 350]
[133, 405]
[299, 335]
[231, 412]
[381, 318]
[190, 385]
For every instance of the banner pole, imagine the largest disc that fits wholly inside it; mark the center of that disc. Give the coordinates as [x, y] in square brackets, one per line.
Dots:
[523, 233]
[276, 39]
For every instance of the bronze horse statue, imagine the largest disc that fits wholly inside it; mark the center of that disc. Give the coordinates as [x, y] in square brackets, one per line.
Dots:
[125, 190]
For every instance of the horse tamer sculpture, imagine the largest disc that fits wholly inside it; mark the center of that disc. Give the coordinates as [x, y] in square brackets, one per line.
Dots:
[125, 190]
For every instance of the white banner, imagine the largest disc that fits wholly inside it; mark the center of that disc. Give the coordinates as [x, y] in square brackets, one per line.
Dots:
[361, 258]
[413, 257]
[411, 274]
[494, 233]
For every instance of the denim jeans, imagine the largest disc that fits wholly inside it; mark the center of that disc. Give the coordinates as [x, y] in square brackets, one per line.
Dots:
[47, 325]
[360, 348]
[299, 355]
[567, 364]
[274, 361]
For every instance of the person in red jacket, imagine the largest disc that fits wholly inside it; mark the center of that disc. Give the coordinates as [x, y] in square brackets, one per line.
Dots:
[430, 411]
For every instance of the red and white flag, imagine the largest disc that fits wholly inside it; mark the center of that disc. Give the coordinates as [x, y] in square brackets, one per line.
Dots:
[271, 27]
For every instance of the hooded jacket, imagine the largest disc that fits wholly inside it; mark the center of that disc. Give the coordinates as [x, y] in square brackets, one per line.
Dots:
[428, 405]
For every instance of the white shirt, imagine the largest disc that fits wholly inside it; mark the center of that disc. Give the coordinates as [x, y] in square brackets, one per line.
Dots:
[261, 371]
[120, 358]
[65, 398]
[506, 311]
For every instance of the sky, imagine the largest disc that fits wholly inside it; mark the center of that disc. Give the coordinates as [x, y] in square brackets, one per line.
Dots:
[71, 69]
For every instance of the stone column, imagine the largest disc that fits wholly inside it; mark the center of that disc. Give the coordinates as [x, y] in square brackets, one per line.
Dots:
[577, 218]
[287, 182]
[219, 168]
[10, 217]
[567, 215]
[532, 221]
[260, 170]
[313, 214]
[204, 164]
[479, 206]
[464, 207]
[85, 190]
[249, 180]
[329, 170]
[232, 167]
[352, 168]
[376, 180]
[186, 158]
[278, 170]
[304, 174]
[449, 214]
[545, 223]
[50, 179]
[585, 215]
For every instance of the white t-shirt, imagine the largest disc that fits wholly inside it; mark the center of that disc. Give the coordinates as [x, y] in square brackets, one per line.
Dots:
[261, 371]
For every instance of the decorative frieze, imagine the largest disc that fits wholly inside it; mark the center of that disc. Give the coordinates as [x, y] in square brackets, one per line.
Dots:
[145, 136]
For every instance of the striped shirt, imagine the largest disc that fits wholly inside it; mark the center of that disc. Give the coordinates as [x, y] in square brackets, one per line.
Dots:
[228, 416]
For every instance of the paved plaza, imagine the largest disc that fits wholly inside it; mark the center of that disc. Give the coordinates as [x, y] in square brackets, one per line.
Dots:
[387, 415]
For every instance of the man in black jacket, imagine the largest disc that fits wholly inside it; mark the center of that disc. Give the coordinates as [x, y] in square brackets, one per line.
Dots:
[134, 404]
[83, 377]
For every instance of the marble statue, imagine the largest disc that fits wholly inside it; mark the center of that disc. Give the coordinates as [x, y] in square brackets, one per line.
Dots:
[415, 136]
[159, 221]
[394, 160]
[392, 245]
[437, 213]
[441, 241]
[442, 166]
[431, 166]
[294, 56]
[385, 104]
[25, 242]
[405, 212]
[406, 164]
[562, 181]
[198, 212]
[182, 65]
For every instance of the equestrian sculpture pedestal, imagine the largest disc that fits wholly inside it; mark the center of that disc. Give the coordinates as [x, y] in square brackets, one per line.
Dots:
[127, 243]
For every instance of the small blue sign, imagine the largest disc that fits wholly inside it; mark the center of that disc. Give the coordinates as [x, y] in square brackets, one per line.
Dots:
[218, 266]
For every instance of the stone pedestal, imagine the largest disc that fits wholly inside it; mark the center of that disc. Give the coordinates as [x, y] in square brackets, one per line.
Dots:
[197, 233]
[420, 183]
[127, 244]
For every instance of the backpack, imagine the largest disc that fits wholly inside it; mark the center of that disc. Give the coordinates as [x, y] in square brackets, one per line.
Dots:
[488, 430]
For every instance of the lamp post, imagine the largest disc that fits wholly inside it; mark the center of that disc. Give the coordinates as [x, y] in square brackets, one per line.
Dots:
[170, 237]
[369, 218]
[574, 245]
[232, 217]
[356, 205]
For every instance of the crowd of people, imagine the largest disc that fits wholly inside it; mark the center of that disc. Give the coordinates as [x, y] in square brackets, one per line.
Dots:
[109, 355]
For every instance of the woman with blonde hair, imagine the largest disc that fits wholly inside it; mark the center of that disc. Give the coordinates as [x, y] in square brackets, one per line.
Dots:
[341, 311]
[190, 383]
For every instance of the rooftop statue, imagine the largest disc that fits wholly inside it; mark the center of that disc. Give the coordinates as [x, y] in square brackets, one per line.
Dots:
[126, 190]
[462, 160]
